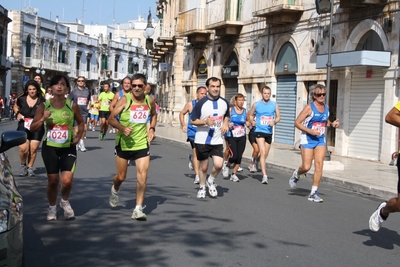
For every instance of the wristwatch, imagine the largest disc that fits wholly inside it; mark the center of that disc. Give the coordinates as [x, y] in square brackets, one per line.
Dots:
[152, 128]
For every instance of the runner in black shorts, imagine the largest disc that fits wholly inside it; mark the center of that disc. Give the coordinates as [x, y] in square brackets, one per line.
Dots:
[255, 156]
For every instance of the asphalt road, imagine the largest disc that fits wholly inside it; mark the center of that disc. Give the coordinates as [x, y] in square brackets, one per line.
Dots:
[248, 224]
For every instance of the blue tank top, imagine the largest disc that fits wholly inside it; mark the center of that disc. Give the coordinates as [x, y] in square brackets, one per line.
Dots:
[265, 112]
[317, 120]
[191, 129]
[239, 121]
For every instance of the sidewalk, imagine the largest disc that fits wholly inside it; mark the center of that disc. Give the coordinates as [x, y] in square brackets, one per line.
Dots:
[367, 177]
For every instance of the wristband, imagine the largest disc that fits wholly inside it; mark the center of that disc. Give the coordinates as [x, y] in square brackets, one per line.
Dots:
[152, 128]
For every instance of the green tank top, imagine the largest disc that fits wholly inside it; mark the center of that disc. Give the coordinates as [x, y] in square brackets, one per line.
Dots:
[106, 99]
[60, 125]
[134, 115]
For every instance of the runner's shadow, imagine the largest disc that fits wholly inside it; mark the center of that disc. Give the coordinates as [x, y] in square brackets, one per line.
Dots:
[151, 203]
[385, 238]
[301, 192]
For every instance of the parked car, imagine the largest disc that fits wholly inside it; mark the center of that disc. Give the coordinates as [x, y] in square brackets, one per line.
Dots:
[11, 205]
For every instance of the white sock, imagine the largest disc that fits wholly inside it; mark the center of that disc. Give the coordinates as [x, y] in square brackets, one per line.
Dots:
[314, 189]
[203, 186]
[210, 179]
[138, 207]
[52, 207]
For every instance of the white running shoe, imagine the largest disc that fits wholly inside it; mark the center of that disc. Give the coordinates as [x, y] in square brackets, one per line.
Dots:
[315, 197]
[113, 201]
[52, 214]
[376, 220]
[23, 171]
[197, 179]
[252, 168]
[201, 193]
[225, 171]
[212, 189]
[240, 169]
[191, 162]
[31, 173]
[68, 211]
[138, 214]
[110, 131]
[264, 179]
[294, 179]
[113, 131]
[234, 178]
[82, 146]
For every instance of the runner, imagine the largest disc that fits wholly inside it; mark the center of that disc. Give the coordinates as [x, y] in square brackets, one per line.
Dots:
[312, 121]
[191, 129]
[211, 116]
[82, 96]
[126, 88]
[132, 141]
[105, 99]
[94, 112]
[25, 108]
[59, 146]
[264, 114]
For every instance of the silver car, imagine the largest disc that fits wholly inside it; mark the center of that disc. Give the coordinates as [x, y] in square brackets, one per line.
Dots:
[11, 205]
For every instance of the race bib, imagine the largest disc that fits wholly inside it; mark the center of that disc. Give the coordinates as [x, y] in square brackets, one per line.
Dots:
[139, 114]
[319, 126]
[238, 131]
[106, 103]
[58, 134]
[82, 101]
[266, 120]
[217, 122]
[27, 123]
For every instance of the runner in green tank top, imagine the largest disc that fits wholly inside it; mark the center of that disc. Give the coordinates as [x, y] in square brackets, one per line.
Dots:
[59, 145]
[132, 141]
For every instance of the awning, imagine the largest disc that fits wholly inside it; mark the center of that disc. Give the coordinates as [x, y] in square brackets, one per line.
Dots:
[355, 58]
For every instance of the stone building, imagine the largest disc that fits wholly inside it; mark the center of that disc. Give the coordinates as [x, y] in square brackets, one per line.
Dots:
[5, 63]
[285, 45]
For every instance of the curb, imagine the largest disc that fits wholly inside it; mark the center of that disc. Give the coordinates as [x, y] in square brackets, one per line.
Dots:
[355, 187]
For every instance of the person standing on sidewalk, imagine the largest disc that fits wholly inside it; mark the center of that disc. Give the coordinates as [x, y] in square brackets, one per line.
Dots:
[105, 99]
[132, 141]
[236, 137]
[392, 205]
[190, 129]
[211, 116]
[312, 122]
[264, 115]
[82, 96]
[59, 145]
[25, 108]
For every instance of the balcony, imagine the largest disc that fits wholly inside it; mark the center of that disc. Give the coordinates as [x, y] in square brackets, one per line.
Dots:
[360, 3]
[277, 12]
[46, 64]
[192, 24]
[224, 16]
[165, 41]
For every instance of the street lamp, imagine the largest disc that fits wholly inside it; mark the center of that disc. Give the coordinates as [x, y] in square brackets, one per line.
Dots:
[41, 70]
[148, 32]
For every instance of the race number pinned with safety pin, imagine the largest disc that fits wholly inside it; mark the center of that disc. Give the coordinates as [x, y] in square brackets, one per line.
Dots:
[58, 134]
[266, 120]
[217, 121]
[139, 114]
[319, 126]
[27, 123]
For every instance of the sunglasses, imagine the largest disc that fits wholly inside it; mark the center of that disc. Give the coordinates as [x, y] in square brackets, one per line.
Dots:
[137, 85]
[81, 81]
[319, 95]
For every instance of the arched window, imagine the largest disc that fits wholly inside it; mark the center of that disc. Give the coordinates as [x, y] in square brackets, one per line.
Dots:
[28, 46]
[370, 41]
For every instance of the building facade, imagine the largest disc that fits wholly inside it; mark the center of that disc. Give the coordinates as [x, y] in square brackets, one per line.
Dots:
[5, 63]
[285, 44]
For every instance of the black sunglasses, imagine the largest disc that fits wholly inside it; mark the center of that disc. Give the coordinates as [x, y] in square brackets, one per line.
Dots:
[319, 95]
[137, 85]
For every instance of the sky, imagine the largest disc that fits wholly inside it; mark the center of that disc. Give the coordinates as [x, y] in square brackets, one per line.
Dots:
[103, 12]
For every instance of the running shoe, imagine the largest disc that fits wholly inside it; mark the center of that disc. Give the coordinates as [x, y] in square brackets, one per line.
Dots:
[315, 197]
[113, 198]
[225, 171]
[212, 189]
[191, 162]
[252, 168]
[264, 179]
[201, 193]
[113, 130]
[82, 146]
[104, 137]
[31, 172]
[234, 178]
[294, 179]
[52, 214]
[197, 179]
[100, 136]
[240, 169]
[68, 211]
[110, 131]
[23, 171]
[93, 129]
[138, 214]
[376, 220]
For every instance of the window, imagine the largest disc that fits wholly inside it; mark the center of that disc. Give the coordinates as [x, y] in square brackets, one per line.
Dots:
[28, 46]
[104, 62]
[78, 61]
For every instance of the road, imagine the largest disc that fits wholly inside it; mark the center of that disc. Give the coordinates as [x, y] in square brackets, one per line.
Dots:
[248, 224]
